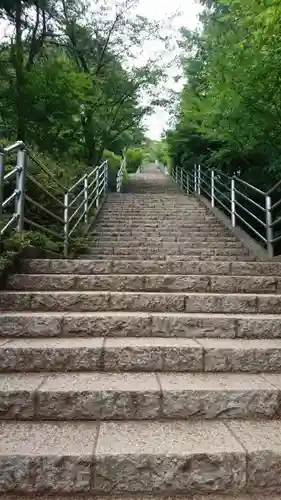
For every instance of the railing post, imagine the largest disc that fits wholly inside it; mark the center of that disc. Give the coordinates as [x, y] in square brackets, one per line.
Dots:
[20, 181]
[97, 188]
[199, 180]
[233, 207]
[66, 224]
[195, 178]
[106, 175]
[177, 174]
[269, 230]
[1, 182]
[181, 181]
[212, 188]
[86, 195]
[187, 184]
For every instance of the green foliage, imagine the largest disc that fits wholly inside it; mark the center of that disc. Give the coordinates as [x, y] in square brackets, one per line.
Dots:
[134, 158]
[229, 110]
[114, 162]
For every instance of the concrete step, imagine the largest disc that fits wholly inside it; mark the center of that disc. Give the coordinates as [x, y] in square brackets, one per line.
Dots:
[145, 282]
[100, 255]
[176, 247]
[34, 324]
[174, 250]
[90, 267]
[264, 493]
[138, 396]
[141, 457]
[141, 302]
[160, 233]
[129, 239]
[140, 354]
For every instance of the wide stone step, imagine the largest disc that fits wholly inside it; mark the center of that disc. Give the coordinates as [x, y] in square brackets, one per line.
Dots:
[91, 267]
[141, 457]
[144, 396]
[145, 282]
[151, 244]
[167, 226]
[141, 302]
[135, 324]
[167, 257]
[160, 233]
[175, 250]
[264, 493]
[129, 239]
[143, 354]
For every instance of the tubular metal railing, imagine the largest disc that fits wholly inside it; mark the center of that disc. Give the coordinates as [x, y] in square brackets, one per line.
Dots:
[239, 200]
[120, 176]
[65, 208]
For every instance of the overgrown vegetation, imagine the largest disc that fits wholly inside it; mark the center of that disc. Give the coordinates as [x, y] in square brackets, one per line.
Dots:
[70, 87]
[229, 111]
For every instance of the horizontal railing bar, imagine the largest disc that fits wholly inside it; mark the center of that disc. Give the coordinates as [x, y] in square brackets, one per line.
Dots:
[222, 204]
[9, 223]
[219, 172]
[76, 223]
[250, 200]
[273, 188]
[205, 191]
[14, 147]
[275, 205]
[41, 207]
[275, 222]
[251, 214]
[77, 183]
[12, 173]
[274, 240]
[38, 184]
[249, 185]
[101, 174]
[46, 170]
[91, 184]
[76, 197]
[250, 227]
[222, 183]
[76, 211]
[46, 229]
[92, 172]
[92, 202]
[8, 200]
[222, 194]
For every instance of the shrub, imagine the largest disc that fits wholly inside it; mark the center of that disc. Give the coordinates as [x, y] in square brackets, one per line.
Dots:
[134, 159]
[114, 162]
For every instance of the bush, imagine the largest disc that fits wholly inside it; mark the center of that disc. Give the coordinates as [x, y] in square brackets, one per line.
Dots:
[134, 159]
[114, 162]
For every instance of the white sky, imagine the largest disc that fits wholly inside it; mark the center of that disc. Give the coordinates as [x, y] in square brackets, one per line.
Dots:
[159, 10]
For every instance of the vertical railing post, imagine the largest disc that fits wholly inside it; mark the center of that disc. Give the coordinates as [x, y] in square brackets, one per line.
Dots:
[187, 184]
[86, 197]
[20, 181]
[195, 179]
[233, 207]
[177, 168]
[181, 181]
[66, 223]
[212, 188]
[269, 230]
[199, 180]
[97, 188]
[2, 159]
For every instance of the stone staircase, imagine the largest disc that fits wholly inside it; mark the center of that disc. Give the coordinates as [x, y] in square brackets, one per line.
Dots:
[151, 367]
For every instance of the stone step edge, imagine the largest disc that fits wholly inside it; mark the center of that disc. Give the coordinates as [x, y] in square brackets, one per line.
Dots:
[141, 354]
[112, 266]
[263, 494]
[141, 456]
[144, 282]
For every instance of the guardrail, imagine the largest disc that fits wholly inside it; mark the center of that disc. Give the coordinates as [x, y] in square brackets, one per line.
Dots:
[120, 176]
[68, 207]
[238, 199]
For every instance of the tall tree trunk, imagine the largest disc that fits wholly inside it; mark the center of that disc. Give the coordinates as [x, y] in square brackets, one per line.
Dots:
[19, 68]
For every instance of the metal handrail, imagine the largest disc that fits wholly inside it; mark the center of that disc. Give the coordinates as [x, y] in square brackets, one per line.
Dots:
[71, 208]
[198, 179]
[120, 176]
